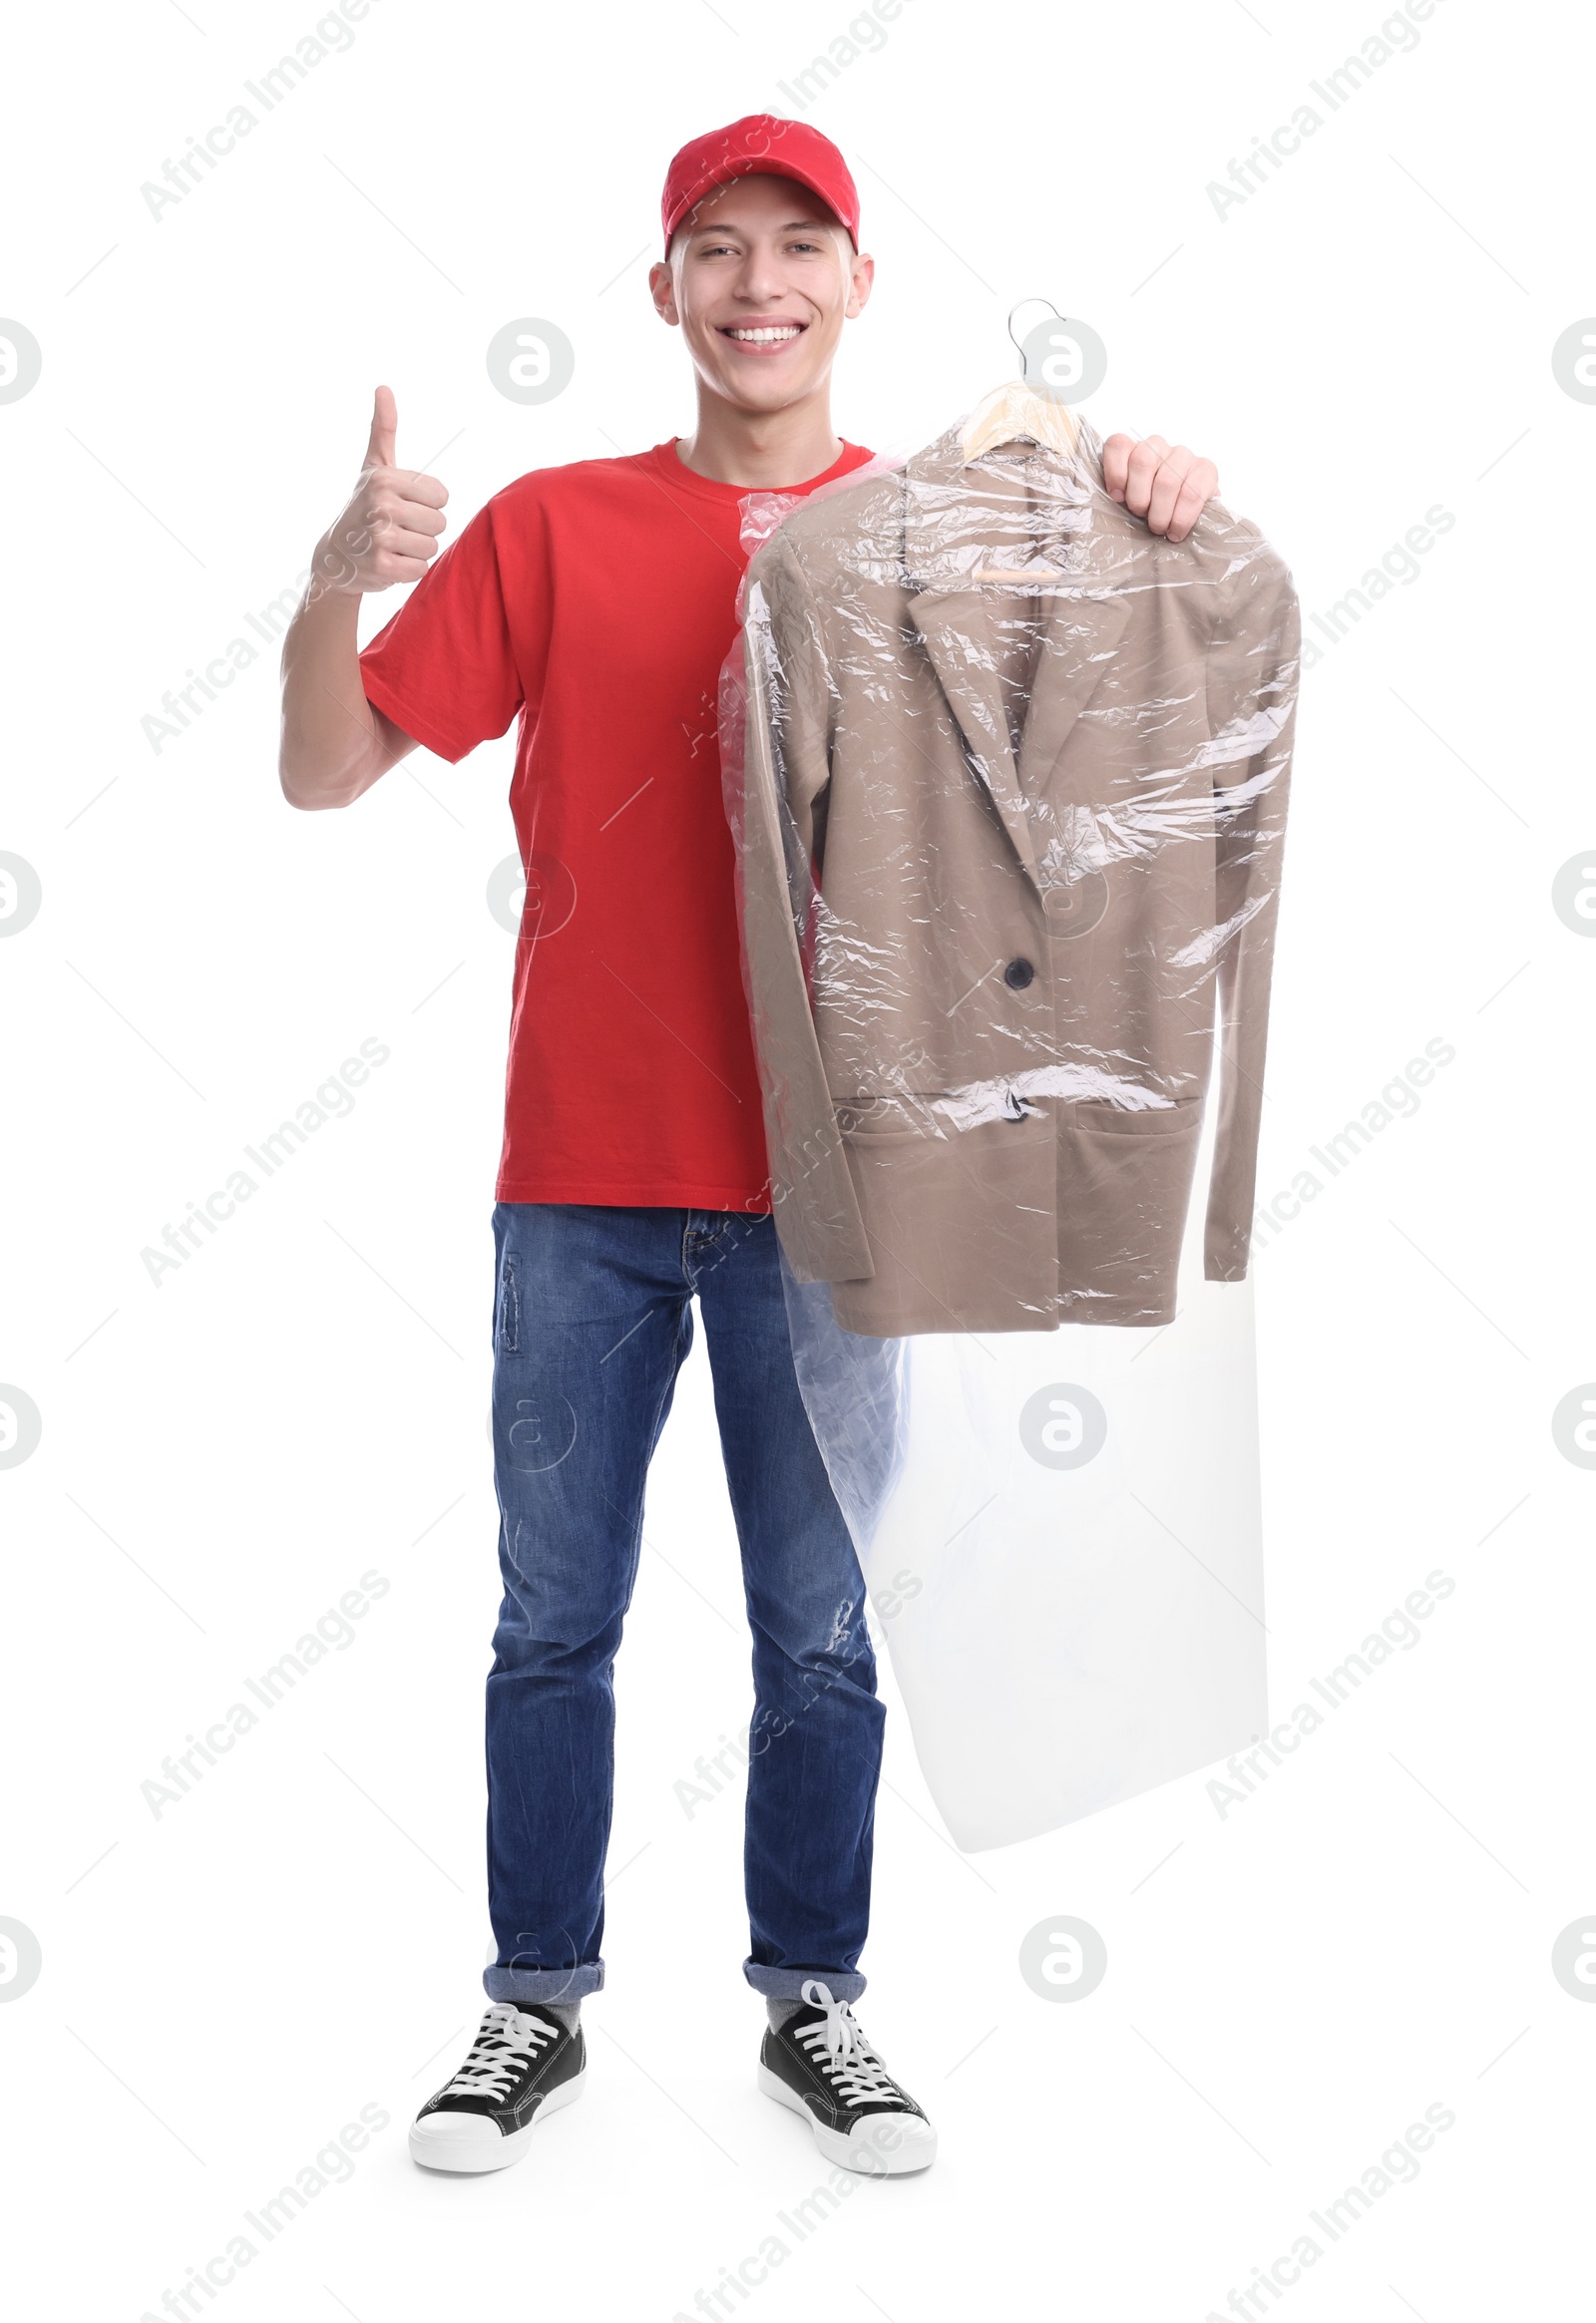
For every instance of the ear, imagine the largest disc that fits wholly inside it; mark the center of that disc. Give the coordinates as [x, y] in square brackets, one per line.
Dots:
[862, 281]
[662, 288]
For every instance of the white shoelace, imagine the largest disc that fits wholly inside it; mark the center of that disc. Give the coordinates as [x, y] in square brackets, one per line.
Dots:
[507, 2038]
[839, 2046]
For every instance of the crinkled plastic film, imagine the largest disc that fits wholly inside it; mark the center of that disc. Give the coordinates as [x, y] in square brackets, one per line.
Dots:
[1008, 778]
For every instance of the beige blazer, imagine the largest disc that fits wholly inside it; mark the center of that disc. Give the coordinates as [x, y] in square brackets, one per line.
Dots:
[1010, 852]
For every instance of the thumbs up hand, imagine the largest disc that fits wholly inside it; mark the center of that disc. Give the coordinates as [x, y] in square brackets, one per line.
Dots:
[390, 530]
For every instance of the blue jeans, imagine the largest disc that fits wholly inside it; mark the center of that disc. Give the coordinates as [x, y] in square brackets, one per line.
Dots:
[592, 1318]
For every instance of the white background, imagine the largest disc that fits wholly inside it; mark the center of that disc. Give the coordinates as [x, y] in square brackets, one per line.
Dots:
[1289, 1984]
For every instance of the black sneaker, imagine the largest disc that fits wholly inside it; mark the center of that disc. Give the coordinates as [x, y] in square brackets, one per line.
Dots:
[523, 2064]
[820, 2064]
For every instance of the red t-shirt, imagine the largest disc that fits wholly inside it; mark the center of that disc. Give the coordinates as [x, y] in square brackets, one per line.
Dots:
[598, 602]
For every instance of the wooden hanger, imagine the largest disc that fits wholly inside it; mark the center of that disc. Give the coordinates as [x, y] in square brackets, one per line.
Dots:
[1014, 413]
[1017, 413]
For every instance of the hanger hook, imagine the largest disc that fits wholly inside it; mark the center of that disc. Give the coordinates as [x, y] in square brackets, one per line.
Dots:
[1033, 301]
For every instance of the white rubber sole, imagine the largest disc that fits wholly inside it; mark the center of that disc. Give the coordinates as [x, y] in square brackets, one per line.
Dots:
[468, 2144]
[882, 2144]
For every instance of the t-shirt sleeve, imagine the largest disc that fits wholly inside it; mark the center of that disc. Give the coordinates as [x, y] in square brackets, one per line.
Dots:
[444, 668]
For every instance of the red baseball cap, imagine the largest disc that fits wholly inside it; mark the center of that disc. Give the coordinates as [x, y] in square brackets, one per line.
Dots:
[760, 145]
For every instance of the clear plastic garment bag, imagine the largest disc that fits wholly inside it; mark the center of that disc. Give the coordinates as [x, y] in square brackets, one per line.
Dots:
[1007, 777]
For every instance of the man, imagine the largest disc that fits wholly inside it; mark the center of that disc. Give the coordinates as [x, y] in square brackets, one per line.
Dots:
[597, 602]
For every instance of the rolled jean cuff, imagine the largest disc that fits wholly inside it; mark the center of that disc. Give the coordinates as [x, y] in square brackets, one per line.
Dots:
[787, 1984]
[544, 1983]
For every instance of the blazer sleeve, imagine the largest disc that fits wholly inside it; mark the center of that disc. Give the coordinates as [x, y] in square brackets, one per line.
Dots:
[785, 779]
[1252, 702]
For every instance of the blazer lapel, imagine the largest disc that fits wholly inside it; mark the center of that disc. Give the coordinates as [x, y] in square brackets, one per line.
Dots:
[959, 643]
[1081, 635]
[965, 517]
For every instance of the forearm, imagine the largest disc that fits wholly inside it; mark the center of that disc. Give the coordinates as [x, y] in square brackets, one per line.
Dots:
[334, 743]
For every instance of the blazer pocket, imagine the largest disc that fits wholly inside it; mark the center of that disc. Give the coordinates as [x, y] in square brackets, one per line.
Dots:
[881, 1121]
[1144, 1121]
[1124, 1190]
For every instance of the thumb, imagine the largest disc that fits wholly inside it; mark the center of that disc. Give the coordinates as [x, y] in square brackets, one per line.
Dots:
[384, 427]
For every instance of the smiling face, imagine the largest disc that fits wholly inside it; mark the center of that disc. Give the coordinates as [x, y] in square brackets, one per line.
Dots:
[761, 279]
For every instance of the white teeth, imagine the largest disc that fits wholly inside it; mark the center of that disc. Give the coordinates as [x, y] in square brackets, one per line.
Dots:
[765, 338]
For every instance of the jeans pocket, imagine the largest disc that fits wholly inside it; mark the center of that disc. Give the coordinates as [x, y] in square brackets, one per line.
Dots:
[506, 1307]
